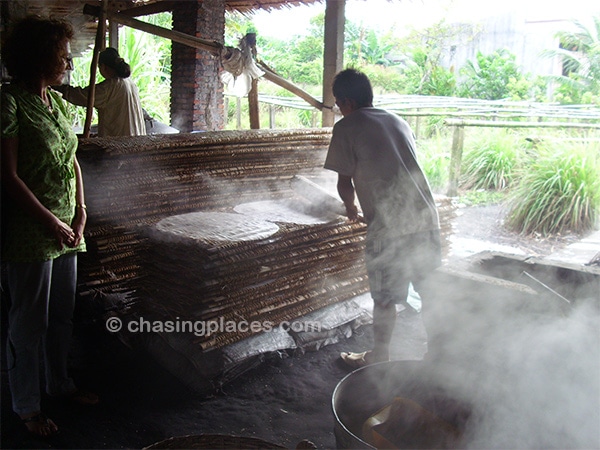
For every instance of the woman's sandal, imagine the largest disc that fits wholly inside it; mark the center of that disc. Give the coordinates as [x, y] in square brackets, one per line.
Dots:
[40, 425]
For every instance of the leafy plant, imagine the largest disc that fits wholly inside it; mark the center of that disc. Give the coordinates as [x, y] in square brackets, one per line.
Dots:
[559, 191]
[490, 76]
[490, 162]
[580, 54]
[366, 46]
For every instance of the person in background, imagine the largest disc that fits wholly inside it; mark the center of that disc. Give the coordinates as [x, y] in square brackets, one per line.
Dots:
[116, 98]
[43, 217]
[373, 153]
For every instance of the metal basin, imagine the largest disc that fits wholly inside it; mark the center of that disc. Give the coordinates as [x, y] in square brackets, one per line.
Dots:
[365, 391]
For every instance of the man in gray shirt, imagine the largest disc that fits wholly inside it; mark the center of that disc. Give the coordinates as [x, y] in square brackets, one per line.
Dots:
[373, 152]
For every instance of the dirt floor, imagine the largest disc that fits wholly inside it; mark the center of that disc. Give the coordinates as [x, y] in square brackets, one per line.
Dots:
[285, 399]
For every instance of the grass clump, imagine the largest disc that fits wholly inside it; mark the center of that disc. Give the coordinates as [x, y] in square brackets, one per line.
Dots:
[559, 190]
[490, 162]
[481, 197]
[434, 158]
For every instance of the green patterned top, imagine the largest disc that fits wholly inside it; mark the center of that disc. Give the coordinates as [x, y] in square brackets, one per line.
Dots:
[46, 153]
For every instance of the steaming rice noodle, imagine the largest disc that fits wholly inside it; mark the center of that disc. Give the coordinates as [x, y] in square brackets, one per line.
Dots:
[286, 211]
[207, 227]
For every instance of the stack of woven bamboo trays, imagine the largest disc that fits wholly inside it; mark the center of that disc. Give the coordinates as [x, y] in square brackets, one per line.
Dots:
[293, 270]
[133, 184]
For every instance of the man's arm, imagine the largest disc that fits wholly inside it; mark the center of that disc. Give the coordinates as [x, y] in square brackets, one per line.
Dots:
[346, 191]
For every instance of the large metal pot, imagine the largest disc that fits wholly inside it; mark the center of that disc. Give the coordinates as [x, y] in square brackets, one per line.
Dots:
[367, 390]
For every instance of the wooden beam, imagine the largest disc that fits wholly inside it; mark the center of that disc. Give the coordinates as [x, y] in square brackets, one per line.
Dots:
[176, 36]
[146, 10]
[279, 81]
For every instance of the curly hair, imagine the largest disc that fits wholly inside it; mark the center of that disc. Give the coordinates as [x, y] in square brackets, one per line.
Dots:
[34, 48]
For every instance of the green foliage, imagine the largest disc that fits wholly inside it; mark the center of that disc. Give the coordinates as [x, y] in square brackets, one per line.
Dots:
[434, 159]
[481, 197]
[237, 25]
[383, 79]
[580, 53]
[150, 59]
[490, 161]
[423, 72]
[559, 191]
[492, 76]
[424, 77]
[366, 46]
[441, 82]
[300, 59]
[434, 126]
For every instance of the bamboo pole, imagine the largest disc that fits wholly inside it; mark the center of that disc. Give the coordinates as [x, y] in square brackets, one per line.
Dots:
[515, 124]
[238, 113]
[98, 46]
[276, 79]
[271, 116]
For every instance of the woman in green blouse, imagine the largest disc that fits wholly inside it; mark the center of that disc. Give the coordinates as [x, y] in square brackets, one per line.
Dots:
[43, 217]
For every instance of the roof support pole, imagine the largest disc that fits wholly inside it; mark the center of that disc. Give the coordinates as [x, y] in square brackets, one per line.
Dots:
[253, 106]
[98, 47]
[333, 56]
[113, 34]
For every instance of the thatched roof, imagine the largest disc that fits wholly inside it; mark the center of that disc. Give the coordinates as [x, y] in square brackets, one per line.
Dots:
[85, 25]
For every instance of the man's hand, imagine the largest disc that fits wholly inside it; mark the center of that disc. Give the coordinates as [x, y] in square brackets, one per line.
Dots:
[352, 212]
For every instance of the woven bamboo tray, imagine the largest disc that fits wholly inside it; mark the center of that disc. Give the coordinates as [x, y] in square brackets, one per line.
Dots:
[213, 441]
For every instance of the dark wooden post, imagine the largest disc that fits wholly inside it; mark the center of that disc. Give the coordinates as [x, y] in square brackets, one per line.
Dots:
[456, 159]
[98, 47]
[253, 106]
[333, 54]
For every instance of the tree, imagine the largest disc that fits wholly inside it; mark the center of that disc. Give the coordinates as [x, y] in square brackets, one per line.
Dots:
[580, 53]
[424, 72]
[366, 46]
[490, 76]
[300, 59]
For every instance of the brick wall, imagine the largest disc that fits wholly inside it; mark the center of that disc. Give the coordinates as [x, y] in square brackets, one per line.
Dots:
[196, 90]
